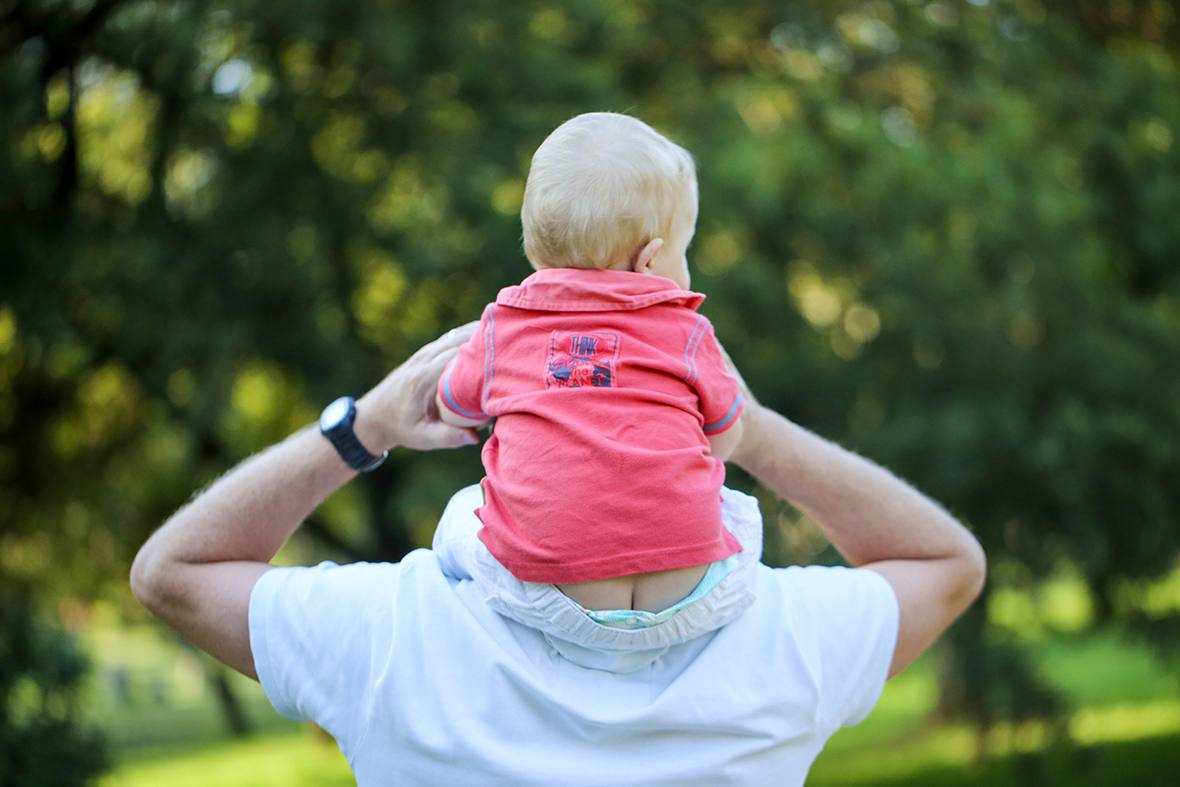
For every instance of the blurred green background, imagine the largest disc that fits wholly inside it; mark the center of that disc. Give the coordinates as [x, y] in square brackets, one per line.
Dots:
[942, 233]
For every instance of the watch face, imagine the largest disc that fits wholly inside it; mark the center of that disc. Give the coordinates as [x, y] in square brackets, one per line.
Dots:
[334, 413]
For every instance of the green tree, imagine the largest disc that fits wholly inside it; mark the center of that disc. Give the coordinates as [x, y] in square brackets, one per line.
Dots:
[41, 669]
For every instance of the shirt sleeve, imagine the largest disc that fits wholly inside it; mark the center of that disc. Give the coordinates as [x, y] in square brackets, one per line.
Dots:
[718, 391]
[314, 637]
[463, 386]
[848, 618]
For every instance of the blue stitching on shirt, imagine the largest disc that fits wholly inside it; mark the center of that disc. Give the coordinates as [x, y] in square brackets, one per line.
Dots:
[728, 416]
[451, 399]
[690, 361]
[489, 352]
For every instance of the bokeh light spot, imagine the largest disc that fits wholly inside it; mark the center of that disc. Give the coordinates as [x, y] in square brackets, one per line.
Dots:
[507, 197]
[232, 77]
[7, 330]
[719, 251]
[818, 301]
[861, 323]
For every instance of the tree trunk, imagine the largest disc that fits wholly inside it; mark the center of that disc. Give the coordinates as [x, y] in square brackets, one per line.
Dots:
[232, 713]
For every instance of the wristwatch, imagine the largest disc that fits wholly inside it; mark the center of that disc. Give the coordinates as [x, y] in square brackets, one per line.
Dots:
[336, 424]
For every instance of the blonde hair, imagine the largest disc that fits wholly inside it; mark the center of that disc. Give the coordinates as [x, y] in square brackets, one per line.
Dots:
[599, 187]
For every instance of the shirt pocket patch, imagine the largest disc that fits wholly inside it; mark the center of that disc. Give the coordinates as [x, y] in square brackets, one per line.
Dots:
[582, 359]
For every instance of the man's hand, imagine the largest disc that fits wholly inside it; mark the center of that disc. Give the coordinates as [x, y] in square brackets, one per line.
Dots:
[198, 570]
[401, 409]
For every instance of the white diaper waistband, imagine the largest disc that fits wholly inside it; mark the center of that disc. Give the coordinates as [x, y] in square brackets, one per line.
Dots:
[565, 623]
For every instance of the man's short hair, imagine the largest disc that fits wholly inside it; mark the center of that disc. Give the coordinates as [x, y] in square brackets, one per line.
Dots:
[599, 187]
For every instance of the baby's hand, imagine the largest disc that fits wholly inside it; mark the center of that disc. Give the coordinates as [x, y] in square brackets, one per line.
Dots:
[722, 445]
[449, 416]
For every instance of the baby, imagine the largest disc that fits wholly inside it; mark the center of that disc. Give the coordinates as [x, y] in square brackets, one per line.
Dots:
[614, 407]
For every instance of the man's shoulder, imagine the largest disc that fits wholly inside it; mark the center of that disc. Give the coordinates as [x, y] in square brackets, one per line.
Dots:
[360, 581]
[823, 586]
[353, 601]
[843, 628]
[818, 601]
[817, 573]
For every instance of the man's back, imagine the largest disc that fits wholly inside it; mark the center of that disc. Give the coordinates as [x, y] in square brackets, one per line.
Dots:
[422, 683]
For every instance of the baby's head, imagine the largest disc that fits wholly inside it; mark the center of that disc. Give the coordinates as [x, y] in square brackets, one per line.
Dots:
[608, 191]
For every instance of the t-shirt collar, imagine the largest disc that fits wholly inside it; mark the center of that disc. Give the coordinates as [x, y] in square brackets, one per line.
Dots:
[586, 290]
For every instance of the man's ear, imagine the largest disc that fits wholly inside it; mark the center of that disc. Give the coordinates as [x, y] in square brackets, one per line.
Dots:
[645, 256]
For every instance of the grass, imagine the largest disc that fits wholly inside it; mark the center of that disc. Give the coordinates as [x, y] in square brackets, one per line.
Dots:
[150, 694]
[1146, 762]
[286, 759]
[1104, 668]
[1121, 692]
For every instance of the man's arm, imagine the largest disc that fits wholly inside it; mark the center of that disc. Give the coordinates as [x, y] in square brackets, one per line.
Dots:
[878, 522]
[197, 571]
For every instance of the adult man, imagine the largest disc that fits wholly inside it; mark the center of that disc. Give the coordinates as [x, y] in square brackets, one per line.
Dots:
[421, 683]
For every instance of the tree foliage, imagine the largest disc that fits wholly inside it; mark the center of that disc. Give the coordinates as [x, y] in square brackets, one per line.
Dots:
[41, 669]
[941, 233]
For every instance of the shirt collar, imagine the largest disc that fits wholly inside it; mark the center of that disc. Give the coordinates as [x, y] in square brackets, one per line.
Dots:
[590, 290]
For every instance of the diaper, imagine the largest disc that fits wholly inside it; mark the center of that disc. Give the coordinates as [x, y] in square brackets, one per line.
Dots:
[724, 593]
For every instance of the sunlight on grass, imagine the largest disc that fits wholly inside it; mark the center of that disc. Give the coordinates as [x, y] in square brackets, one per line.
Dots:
[1063, 603]
[954, 747]
[1125, 722]
[286, 760]
[895, 758]
[1116, 683]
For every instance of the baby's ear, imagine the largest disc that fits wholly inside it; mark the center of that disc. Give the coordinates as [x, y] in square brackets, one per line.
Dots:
[646, 255]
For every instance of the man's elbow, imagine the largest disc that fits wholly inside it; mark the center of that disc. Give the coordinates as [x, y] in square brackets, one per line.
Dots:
[973, 574]
[141, 577]
[149, 579]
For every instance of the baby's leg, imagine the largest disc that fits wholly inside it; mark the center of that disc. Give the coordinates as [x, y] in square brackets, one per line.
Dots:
[455, 538]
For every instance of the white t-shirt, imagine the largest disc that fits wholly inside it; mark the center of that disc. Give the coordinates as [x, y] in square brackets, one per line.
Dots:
[421, 683]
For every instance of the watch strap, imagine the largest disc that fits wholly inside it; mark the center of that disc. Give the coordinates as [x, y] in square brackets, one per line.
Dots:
[347, 444]
[352, 452]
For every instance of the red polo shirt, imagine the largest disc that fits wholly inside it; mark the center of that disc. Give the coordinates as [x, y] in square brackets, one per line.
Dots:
[603, 385]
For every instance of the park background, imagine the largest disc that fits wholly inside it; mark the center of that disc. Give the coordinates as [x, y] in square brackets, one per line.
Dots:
[943, 233]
